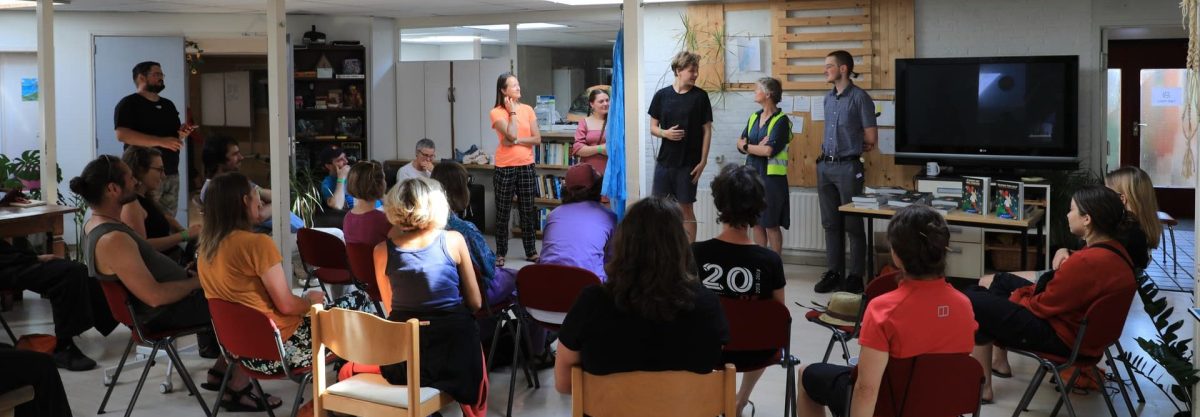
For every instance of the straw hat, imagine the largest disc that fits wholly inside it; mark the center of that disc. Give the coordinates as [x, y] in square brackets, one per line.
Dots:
[843, 309]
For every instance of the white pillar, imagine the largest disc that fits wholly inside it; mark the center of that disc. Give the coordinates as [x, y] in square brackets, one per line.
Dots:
[635, 120]
[512, 47]
[45, 58]
[281, 145]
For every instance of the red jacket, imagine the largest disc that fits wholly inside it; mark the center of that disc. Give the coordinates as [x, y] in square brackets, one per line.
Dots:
[1086, 276]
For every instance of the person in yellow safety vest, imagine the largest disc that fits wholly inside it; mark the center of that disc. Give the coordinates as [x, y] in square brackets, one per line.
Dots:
[765, 143]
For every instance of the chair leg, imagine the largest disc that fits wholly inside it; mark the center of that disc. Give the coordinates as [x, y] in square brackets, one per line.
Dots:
[1112, 364]
[142, 380]
[262, 398]
[829, 348]
[1064, 392]
[120, 366]
[1132, 377]
[230, 368]
[1174, 253]
[183, 375]
[789, 395]
[845, 350]
[1038, 377]
[512, 379]
[500, 322]
[530, 373]
[8, 330]
[300, 394]
[1104, 393]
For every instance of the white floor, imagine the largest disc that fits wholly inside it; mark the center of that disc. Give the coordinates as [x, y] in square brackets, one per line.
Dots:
[808, 341]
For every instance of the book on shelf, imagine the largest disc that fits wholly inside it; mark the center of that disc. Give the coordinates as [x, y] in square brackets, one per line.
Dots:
[550, 187]
[1008, 199]
[952, 191]
[554, 153]
[946, 202]
[888, 190]
[910, 198]
[350, 76]
[975, 194]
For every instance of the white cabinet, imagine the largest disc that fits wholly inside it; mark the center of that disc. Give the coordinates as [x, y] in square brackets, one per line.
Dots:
[426, 110]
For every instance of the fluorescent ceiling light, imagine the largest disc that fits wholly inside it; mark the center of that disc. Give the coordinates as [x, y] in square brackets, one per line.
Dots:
[520, 26]
[23, 4]
[446, 39]
[599, 2]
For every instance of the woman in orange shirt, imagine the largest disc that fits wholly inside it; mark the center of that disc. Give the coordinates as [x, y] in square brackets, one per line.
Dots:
[516, 128]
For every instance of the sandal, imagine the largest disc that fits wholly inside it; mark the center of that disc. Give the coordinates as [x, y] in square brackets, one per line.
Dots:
[499, 261]
[533, 258]
[999, 374]
[234, 403]
[213, 386]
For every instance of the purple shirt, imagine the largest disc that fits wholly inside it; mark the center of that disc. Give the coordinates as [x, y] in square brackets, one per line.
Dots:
[577, 235]
[371, 227]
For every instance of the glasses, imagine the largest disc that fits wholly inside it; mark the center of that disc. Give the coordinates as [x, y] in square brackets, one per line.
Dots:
[161, 170]
[430, 155]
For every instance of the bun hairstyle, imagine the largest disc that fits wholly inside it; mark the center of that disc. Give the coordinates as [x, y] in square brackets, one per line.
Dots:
[739, 195]
[1109, 216]
[919, 237]
[844, 58]
[96, 176]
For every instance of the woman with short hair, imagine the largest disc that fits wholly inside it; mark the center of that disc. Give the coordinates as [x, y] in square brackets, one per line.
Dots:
[765, 143]
[364, 223]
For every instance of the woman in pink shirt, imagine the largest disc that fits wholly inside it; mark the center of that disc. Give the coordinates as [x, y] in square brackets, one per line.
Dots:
[590, 142]
[364, 223]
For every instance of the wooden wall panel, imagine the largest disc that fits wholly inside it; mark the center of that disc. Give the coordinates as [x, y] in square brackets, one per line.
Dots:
[894, 29]
[705, 20]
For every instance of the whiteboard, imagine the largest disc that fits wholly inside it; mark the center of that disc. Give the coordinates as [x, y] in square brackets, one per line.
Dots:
[237, 99]
[212, 99]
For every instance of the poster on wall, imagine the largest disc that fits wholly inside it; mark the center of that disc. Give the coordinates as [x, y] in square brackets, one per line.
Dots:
[29, 89]
[885, 113]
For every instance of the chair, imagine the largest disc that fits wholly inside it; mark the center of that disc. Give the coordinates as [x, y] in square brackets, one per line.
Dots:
[324, 258]
[545, 293]
[11, 399]
[882, 284]
[8, 330]
[246, 333]
[361, 257]
[1169, 223]
[756, 325]
[119, 302]
[646, 394]
[360, 337]
[929, 385]
[1100, 328]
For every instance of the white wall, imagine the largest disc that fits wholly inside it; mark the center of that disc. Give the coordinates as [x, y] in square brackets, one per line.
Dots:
[459, 52]
[410, 52]
[20, 121]
[534, 71]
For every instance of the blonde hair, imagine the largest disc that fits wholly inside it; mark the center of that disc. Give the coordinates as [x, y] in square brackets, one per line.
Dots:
[1135, 185]
[684, 59]
[417, 204]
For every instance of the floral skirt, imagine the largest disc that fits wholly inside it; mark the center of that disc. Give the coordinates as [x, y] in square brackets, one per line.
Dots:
[298, 348]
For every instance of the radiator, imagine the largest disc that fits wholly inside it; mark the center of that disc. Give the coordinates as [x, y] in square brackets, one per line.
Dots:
[805, 232]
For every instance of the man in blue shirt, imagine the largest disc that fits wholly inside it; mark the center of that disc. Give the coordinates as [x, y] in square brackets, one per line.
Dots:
[850, 130]
[333, 187]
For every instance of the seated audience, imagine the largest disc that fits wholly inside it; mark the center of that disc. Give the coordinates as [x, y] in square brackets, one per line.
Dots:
[651, 314]
[76, 301]
[422, 166]
[165, 296]
[23, 367]
[432, 279]
[739, 268]
[144, 215]
[499, 281]
[1044, 317]
[577, 231]
[923, 315]
[221, 154]
[363, 223]
[333, 188]
[243, 267]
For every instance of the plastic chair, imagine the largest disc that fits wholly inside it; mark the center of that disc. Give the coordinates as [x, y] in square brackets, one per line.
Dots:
[361, 257]
[545, 293]
[119, 303]
[757, 325]
[324, 258]
[359, 337]
[246, 333]
[653, 394]
[882, 284]
[1100, 328]
[930, 385]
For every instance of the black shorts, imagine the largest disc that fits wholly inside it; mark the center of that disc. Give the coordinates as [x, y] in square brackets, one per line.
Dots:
[828, 385]
[675, 182]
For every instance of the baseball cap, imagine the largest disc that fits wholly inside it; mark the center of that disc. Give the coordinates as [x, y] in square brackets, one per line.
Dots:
[581, 177]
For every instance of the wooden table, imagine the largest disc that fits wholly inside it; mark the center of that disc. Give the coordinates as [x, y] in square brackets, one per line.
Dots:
[956, 217]
[48, 219]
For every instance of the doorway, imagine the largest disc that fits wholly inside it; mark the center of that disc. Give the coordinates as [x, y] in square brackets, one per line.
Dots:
[1146, 77]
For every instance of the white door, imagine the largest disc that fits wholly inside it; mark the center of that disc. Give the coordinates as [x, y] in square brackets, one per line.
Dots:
[20, 119]
[113, 61]
[489, 71]
[467, 129]
[437, 105]
[410, 107]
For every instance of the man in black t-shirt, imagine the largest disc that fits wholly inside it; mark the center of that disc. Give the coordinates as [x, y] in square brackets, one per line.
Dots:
[681, 115]
[146, 119]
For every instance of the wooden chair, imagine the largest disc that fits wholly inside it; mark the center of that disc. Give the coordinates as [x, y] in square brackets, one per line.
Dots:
[367, 339]
[647, 394]
[11, 399]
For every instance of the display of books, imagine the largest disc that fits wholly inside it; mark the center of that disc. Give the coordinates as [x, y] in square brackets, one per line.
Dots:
[910, 198]
[1008, 199]
[975, 194]
[888, 190]
[946, 202]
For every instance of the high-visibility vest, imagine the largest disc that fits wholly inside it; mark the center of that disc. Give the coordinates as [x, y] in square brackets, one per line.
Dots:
[776, 165]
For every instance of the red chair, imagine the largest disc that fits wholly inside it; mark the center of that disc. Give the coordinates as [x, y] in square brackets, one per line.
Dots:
[881, 285]
[758, 325]
[361, 257]
[545, 293]
[1101, 327]
[324, 258]
[930, 385]
[246, 333]
[119, 302]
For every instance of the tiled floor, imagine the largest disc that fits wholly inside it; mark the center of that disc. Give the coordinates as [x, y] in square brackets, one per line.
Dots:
[808, 341]
[1163, 268]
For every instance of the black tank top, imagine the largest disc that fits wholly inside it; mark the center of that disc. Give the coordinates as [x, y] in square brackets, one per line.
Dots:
[156, 224]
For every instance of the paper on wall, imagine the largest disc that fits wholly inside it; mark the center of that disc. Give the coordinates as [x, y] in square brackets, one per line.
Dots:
[818, 111]
[785, 104]
[887, 141]
[885, 113]
[801, 104]
[797, 125]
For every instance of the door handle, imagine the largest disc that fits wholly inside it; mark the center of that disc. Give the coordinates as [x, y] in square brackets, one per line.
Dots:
[1137, 128]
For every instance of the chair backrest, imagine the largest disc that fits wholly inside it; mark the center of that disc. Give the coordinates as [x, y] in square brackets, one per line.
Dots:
[757, 324]
[552, 288]
[361, 257]
[930, 385]
[321, 250]
[245, 332]
[663, 393]
[118, 301]
[882, 284]
[1105, 320]
[365, 339]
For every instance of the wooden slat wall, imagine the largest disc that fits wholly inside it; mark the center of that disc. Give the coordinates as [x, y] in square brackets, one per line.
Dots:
[705, 20]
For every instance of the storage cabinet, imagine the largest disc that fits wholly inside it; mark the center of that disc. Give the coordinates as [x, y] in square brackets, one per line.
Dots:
[330, 105]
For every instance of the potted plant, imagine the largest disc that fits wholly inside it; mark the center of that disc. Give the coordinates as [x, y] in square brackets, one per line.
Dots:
[28, 169]
[306, 195]
[1167, 352]
[7, 180]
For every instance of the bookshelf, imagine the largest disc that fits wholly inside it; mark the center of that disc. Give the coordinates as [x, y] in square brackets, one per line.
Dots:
[552, 159]
[330, 103]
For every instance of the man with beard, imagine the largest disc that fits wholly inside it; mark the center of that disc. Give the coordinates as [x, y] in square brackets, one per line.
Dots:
[146, 119]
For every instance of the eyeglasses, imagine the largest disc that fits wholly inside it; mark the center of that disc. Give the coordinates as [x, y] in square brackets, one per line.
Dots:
[430, 155]
[161, 170]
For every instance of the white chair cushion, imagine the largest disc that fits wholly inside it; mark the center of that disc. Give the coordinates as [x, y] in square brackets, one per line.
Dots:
[546, 316]
[373, 388]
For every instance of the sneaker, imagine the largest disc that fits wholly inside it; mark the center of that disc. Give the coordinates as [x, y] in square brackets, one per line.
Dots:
[72, 359]
[829, 282]
[853, 284]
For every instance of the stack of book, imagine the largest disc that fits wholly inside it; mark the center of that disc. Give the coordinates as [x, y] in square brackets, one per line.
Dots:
[554, 154]
[910, 198]
[975, 194]
[944, 205]
[869, 201]
[889, 191]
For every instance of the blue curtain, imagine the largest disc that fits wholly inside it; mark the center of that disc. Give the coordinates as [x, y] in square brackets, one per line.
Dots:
[614, 173]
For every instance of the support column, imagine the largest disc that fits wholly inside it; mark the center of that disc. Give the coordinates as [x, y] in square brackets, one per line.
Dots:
[512, 47]
[45, 62]
[281, 144]
[635, 120]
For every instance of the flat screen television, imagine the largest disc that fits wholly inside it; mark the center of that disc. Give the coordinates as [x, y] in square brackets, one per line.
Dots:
[989, 111]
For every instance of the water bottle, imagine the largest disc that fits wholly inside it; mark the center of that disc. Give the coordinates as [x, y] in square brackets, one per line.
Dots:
[545, 112]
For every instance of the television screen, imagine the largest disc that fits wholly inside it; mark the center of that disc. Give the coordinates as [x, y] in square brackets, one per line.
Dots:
[1000, 109]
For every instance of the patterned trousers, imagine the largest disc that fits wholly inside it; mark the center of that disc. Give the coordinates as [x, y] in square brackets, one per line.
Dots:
[522, 182]
[298, 347]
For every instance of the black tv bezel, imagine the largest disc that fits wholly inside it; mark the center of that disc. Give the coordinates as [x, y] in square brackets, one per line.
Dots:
[993, 157]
